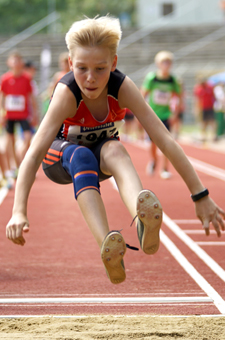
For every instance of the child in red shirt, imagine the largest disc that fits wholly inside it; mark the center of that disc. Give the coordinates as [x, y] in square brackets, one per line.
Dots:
[205, 98]
[15, 95]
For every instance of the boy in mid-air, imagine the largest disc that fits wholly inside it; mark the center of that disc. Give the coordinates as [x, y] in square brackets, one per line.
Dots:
[78, 143]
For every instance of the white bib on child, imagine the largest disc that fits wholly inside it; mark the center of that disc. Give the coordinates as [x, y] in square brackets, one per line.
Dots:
[15, 102]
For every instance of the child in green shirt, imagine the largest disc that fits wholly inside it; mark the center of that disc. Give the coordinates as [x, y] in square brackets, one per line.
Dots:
[159, 86]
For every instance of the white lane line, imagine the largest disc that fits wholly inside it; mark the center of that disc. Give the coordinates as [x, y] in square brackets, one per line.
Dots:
[187, 221]
[199, 231]
[210, 243]
[55, 305]
[53, 316]
[197, 164]
[113, 182]
[189, 293]
[208, 168]
[213, 265]
[3, 194]
[113, 300]
[198, 278]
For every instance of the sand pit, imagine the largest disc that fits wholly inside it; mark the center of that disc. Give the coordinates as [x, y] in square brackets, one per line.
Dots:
[111, 327]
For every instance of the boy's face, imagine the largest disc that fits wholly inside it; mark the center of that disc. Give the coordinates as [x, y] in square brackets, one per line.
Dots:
[91, 67]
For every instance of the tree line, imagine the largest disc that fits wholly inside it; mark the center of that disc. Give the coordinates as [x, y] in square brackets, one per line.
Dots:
[17, 15]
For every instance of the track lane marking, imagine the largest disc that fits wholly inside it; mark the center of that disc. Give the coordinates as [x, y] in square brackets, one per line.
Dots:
[208, 169]
[189, 268]
[113, 316]
[211, 243]
[191, 221]
[3, 193]
[201, 166]
[213, 265]
[112, 300]
[186, 265]
[199, 231]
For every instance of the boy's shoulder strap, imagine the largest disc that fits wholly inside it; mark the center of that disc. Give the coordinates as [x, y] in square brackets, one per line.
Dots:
[115, 81]
[70, 81]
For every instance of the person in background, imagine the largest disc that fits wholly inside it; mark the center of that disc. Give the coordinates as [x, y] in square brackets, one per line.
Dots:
[219, 107]
[204, 107]
[222, 7]
[64, 68]
[15, 96]
[6, 179]
[159, 87]
[31, 69]
[128, 129]
[177, 108]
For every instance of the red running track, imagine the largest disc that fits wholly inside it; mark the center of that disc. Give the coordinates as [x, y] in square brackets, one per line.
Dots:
[61, 260]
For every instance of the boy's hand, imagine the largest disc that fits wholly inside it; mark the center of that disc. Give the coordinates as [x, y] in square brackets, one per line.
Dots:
[16, 227]
[207, 211]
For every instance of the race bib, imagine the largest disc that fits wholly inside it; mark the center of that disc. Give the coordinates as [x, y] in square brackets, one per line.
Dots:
[161, 98]
[86, 136]
[15, 103]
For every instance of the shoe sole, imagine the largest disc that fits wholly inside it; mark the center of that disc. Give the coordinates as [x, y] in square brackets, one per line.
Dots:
[112, 253]
[149, 211]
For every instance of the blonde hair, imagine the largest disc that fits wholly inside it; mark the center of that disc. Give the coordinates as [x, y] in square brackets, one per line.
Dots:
[99, 31]
[164, 55]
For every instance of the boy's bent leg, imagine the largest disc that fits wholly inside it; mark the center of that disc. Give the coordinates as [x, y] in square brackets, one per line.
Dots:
[116, 161]
[93, 211]
[141, 203]
[82, 166]
[112, 244]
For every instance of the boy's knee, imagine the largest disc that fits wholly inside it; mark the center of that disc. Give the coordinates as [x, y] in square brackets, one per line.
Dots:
[115, 150]
[84, 170]
[83, 157]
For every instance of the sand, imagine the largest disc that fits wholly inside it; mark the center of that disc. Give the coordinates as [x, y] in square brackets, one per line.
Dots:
[111, 327]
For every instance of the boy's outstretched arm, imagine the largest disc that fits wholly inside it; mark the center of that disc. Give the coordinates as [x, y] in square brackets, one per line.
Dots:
[63, 105]
[206, 209]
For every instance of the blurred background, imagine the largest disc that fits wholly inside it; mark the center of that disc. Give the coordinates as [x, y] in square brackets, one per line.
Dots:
[193, 30]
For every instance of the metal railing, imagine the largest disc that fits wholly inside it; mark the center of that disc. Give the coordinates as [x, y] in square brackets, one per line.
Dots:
[28, 32]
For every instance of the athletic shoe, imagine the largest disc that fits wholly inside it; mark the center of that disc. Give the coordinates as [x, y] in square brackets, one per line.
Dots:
[149, 212]
[150, 168]
[165, 174]
[112, 252]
